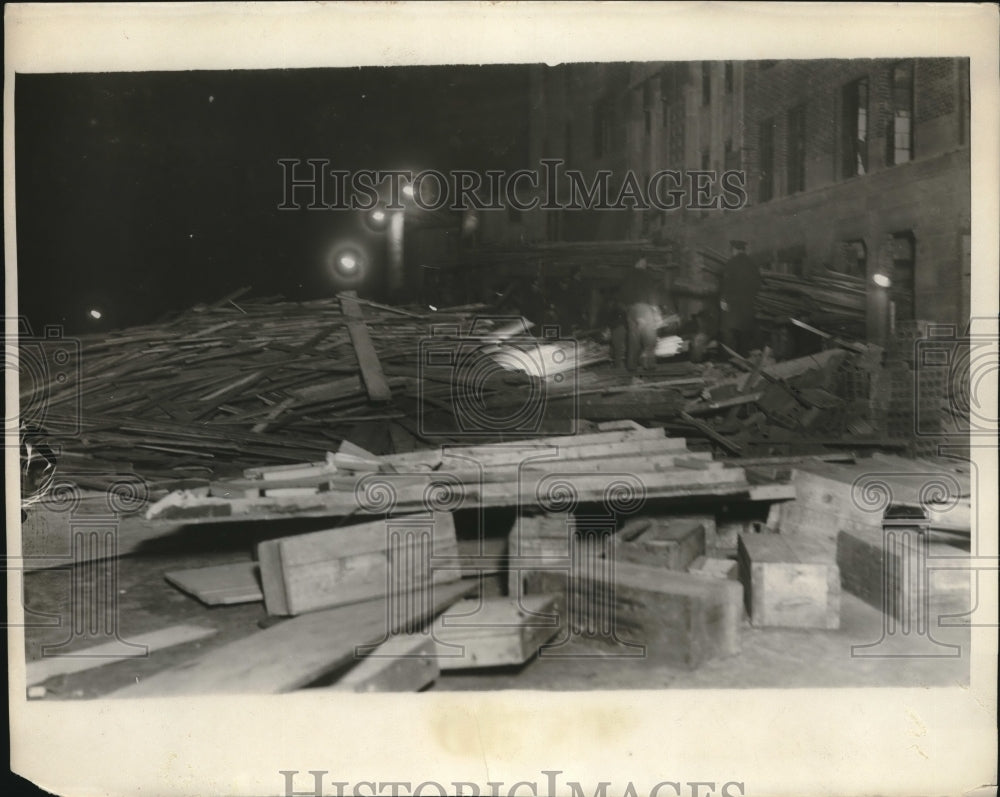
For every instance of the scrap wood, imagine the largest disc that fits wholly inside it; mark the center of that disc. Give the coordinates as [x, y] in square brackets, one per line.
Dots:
[235, 582]
[371, 369]
[297, 652]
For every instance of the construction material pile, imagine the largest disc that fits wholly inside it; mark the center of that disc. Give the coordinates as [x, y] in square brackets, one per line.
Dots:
[832, 300]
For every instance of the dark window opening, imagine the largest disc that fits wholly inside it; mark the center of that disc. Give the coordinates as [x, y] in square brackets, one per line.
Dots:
[766, 160]
[796, 152]
[854, 128]
[706, 83]
[899, 137]
[729, 77]
[854, 259]
[705, 160]
[901, 292]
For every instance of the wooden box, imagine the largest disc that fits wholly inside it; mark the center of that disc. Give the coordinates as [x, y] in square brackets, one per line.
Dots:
[322, 569]
[788, 584]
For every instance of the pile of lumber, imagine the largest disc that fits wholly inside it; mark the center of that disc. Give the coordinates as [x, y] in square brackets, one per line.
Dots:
[264, 381]
[832, 299]
[617, 465]
[799, 406]
[596, 260]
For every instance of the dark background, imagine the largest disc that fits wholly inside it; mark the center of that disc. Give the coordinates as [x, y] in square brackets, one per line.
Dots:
[145, 193]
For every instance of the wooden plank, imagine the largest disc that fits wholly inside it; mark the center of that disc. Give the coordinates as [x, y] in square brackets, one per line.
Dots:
[297, 652]
[527, 492]
[560, 442]
[494, 632]
[329, 568]
[236, 582]
[110, 652]
[788, 584]
[371, 369]
[403, 663]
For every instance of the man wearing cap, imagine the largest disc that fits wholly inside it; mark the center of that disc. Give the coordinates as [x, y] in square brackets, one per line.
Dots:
[737, 293]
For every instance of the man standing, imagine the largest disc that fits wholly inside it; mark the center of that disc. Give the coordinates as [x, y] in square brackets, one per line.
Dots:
[738, 292]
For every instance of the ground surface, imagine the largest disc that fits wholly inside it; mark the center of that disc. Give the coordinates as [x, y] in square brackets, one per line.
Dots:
[770, 658]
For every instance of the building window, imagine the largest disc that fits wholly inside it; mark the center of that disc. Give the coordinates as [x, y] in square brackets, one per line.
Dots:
[766, 137]
[900, 134]
[602, 128]
[854, 259]
[569, 142]
[796, 152]
[854, 128]
[706, 160]
[706, 83]
[904, 247]
[729, 77]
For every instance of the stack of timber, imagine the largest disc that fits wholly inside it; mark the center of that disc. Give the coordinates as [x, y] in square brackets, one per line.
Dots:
[611, 467]
[832, 299]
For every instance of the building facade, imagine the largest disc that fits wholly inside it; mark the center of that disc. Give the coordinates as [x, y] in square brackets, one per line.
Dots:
[855, 166]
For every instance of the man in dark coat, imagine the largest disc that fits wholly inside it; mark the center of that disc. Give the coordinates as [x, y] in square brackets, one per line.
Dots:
[737, 293]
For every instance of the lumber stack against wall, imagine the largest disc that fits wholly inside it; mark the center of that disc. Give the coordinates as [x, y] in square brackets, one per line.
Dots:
[321, 569]
[788, 583]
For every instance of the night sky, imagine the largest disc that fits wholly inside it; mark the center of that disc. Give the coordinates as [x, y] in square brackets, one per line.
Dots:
[145, 193]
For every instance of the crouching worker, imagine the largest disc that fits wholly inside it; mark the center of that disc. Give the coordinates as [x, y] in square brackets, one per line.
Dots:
[641, 295]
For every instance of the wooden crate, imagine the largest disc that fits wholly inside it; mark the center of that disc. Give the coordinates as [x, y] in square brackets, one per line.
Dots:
[672, 543]
[674, 618]
[788, 584]
[897, 586]
[494, 632]
[354, 563]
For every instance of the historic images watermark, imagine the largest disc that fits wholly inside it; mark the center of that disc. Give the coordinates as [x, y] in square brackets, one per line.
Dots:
[546, 785]
[314, 184]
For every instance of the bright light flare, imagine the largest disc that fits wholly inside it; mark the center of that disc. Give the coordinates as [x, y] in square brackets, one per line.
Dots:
[882, 280]
[95, 314]
[408, 191]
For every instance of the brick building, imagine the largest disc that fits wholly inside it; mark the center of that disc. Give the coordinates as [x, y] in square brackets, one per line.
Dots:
[858, 166]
